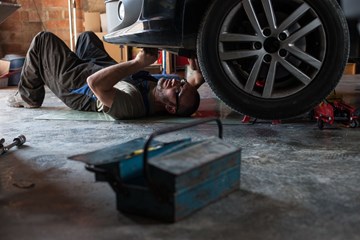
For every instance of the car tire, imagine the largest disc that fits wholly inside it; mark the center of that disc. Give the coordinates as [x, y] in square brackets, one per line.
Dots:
[273, 59]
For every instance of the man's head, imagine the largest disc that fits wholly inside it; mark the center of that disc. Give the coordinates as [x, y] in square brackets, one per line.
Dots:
[179, 97]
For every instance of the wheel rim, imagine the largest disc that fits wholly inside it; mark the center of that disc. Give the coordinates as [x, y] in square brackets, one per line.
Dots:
[271, 48]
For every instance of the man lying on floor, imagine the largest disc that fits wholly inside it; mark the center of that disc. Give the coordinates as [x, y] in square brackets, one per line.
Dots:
[90, 80]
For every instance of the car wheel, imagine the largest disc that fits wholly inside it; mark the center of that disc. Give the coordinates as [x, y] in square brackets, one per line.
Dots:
[273, 59]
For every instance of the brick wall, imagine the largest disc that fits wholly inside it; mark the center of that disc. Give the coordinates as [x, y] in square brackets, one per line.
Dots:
[18, 30]
[94, 6]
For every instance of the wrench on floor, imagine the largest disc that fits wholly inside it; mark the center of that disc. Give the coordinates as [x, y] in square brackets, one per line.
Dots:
[18, 141]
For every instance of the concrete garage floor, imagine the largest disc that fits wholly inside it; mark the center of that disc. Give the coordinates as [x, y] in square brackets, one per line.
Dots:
[297, 182]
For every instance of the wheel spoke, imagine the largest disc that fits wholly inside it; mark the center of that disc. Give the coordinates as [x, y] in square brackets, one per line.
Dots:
[253, 75]
[270, 16]
[295, 72]
[271, 45]
[293, 18]
[252, 17]
[232, 55]
[270, 80]
[303, 31]
[304, 56]
[231, 37]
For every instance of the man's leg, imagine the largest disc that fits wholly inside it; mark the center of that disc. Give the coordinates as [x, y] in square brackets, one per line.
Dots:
[90, 47]
[50, 62]
[31, 91]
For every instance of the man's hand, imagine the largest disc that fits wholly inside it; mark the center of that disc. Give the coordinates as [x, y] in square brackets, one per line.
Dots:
[193, 63]
[151, 51]
[196, 78]
[147, 56]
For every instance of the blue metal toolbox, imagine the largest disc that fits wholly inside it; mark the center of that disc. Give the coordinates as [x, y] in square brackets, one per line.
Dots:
[167, 180]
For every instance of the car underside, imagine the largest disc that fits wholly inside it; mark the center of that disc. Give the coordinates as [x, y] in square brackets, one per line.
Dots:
[270, 59]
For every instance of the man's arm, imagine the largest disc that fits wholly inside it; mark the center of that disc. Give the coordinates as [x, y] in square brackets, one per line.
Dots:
[102, 82]
[196, 79]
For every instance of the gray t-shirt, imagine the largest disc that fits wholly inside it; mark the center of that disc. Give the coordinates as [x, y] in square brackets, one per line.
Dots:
[128, 102]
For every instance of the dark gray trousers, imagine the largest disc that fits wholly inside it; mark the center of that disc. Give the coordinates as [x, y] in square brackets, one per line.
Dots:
[50, 62]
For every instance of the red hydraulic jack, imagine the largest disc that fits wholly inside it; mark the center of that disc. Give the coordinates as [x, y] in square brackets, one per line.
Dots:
[336, 110]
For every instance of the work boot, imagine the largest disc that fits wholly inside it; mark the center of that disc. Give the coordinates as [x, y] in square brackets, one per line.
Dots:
[17, 102]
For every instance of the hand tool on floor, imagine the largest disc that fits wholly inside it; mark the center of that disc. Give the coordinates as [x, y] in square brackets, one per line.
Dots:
[18, 141]
[167, 180]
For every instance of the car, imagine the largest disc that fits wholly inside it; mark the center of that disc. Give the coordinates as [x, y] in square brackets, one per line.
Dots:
[269, 59]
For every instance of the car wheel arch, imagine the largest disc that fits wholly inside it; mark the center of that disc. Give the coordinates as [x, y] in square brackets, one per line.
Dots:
[192, 14]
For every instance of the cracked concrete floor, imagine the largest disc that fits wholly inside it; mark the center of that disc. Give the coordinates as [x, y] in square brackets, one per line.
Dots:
[297, 182]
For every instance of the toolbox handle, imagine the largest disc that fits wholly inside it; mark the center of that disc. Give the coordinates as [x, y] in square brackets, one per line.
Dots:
[172, 129]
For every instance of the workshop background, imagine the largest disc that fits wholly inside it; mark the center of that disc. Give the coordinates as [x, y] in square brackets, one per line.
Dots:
[18, 30]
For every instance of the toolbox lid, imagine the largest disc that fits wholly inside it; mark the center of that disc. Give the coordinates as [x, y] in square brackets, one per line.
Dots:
[194, 156]
[127, 150]
[112, 153]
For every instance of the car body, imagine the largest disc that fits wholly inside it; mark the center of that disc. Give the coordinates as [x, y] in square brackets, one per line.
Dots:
[270, 59]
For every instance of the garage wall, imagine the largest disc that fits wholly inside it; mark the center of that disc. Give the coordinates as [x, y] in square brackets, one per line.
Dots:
[94, 6]
[18, 30]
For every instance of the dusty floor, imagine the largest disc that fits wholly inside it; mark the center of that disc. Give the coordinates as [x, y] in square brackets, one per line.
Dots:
[297, 182]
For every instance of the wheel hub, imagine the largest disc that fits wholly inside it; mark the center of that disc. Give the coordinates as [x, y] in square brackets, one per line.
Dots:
[272, 45]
